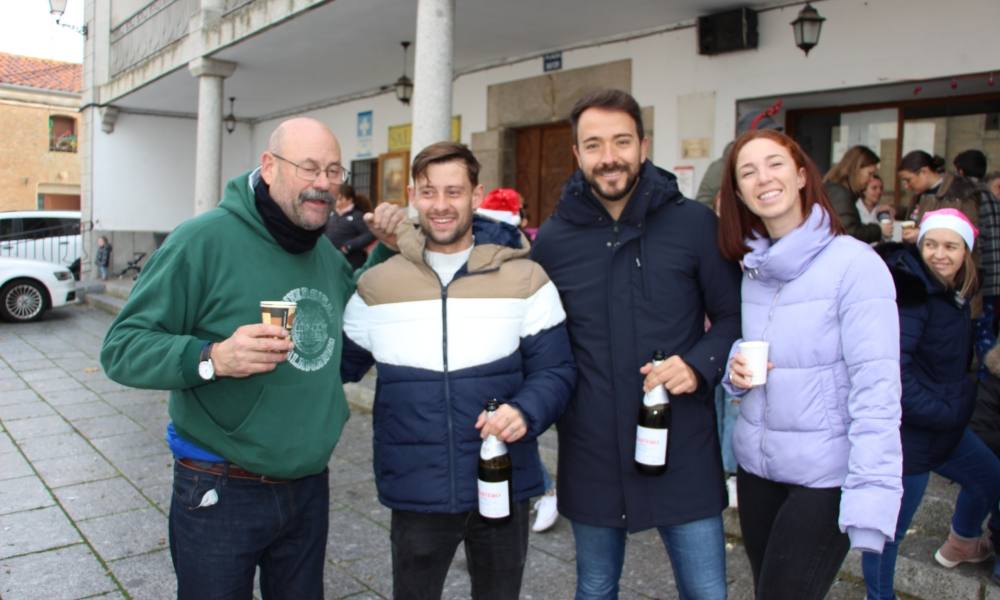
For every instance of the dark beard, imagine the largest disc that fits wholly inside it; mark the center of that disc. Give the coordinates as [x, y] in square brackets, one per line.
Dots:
[629, 186]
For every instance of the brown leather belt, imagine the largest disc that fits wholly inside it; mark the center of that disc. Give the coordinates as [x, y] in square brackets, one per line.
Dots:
[220, 469]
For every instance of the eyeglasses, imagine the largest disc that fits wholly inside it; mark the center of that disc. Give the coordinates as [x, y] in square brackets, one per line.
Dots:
[335, 173]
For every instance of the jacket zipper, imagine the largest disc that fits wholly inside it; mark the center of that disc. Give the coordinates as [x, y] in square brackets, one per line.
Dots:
[764, 333]
[447, 391]
[447, 382]
[611, 262]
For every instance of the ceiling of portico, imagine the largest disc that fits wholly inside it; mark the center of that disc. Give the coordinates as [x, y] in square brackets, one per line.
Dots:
[349, 47]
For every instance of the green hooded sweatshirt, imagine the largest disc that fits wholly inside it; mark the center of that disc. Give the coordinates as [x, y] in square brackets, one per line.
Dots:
[207, 280]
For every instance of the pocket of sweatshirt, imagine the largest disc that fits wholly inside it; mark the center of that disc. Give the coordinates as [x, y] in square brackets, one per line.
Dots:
[289, 430]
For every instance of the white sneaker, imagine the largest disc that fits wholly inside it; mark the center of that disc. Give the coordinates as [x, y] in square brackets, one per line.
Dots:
[731, 488]
[547, 514]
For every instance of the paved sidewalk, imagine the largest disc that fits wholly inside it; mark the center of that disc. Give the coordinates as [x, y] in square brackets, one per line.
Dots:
[85, 485]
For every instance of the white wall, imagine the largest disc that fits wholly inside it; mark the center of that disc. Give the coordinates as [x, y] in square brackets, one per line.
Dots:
[144, 171]
[864, 43]
[342, 120]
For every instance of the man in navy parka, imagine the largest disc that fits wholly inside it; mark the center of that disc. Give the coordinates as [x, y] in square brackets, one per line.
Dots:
[638, 270]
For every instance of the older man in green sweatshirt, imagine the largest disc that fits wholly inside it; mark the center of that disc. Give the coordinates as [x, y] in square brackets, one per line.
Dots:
[255, 410]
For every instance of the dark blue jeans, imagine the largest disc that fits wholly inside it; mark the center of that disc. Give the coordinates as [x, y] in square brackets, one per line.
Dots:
[973, 466]
[280, 527]
[696, 549]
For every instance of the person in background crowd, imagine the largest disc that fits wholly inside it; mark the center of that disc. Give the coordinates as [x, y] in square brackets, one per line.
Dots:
[638, 270]
[708, 190]
[845, 183]
[817, 444]
[460, 316]
[870, 209]
[346, 227]
[103, 257]
[985, 423]
[971, 164]
[726, 406]
[986, 417]
[507, 206]
[992, 181]
[925, 178]
[935, 279]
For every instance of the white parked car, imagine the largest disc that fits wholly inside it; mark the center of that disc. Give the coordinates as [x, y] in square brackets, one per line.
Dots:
[28, 288]
[50, 235]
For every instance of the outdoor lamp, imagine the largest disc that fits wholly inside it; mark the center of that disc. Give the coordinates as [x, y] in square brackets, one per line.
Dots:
[229, 121]
[404, 85]
[807, 28]
[57, 8]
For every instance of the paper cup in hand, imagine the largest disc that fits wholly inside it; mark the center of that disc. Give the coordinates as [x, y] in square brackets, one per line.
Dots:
[755, 354]
[278, 313]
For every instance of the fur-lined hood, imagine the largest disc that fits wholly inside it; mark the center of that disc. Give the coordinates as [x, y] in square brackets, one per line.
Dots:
[914, 283]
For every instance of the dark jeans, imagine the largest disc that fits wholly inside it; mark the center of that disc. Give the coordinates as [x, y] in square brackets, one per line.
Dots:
[791, 536]
[280, 527]
[423, 545]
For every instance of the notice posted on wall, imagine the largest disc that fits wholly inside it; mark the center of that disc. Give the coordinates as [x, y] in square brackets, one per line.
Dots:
[685, 179]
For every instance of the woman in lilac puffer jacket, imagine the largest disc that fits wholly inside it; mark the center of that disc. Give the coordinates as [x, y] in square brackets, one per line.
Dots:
[818, 444]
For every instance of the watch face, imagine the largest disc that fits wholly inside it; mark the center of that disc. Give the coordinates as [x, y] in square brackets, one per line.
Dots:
[205, 369]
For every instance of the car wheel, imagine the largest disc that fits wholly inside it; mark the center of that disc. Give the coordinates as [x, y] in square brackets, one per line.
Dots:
[22, 300]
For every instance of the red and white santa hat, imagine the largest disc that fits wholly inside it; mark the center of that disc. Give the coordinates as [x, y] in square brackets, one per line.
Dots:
[949, 218]
[502, 204]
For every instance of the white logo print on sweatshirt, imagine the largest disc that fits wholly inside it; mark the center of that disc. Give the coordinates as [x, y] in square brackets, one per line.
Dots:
[314, 343]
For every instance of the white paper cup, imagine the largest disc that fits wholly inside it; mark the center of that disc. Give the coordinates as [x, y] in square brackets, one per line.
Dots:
[755, 354]
[275, 312]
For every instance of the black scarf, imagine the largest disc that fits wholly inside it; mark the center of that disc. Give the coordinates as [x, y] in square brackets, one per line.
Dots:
[291, 237]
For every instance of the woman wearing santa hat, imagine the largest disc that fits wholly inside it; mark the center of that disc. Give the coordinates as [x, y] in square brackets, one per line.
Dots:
[935, 280]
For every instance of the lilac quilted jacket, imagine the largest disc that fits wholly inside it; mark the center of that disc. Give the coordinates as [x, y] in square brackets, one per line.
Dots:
[829, 413]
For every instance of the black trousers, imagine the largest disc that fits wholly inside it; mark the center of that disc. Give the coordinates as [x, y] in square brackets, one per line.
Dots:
[423, 545]
[791, 536]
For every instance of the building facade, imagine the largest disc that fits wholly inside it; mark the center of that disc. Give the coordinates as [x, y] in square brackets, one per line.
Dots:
[39, 115]
[893, 74]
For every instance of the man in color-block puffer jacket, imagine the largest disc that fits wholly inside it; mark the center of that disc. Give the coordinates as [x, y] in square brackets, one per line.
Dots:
[829, 413]
[496, 331]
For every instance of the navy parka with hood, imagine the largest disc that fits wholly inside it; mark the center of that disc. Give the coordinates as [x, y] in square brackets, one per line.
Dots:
[630, 287]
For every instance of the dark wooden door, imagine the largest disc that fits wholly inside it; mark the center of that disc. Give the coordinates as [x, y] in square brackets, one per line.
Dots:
[544, 163]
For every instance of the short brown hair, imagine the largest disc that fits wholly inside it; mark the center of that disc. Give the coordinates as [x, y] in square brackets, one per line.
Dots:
[443, 152]
[737, 223]
[607, 100]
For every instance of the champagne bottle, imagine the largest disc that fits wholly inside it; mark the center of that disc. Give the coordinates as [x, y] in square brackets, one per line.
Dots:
[652, 433]
[496, 490]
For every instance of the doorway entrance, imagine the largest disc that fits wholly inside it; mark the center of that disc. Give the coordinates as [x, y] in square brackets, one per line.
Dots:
[544, 162]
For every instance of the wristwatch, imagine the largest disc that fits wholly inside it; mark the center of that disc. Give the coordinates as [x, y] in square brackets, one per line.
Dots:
[206, 370]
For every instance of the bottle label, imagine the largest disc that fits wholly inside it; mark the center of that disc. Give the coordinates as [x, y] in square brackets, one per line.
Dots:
[494, 499]
[650, 446]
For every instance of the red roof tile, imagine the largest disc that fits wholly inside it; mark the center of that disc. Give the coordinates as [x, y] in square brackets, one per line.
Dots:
[39, 73]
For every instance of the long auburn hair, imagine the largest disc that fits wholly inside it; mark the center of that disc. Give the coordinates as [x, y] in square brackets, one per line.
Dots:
[737, 223]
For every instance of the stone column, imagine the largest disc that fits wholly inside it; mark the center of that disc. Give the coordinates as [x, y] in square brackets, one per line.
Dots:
[208, 153]
[432, 73]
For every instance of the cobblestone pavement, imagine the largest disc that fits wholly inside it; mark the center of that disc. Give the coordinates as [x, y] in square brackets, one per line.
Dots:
[85, 485]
